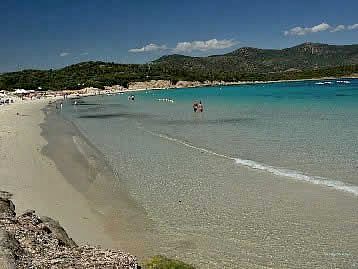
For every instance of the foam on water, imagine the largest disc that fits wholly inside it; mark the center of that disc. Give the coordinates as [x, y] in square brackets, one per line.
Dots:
[296, 175]
[187, 144]
[338, 185]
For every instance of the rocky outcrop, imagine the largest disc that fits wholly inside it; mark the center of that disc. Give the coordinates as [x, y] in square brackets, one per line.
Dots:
[9, 247]
[151, 84]
[165, 84]
[27, 241]
[57, 231]
[188, 84]
[7, 208]
[114, 88]
[10, 250]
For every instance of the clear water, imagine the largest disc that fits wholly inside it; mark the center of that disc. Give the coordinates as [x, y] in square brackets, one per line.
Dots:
[212, 182]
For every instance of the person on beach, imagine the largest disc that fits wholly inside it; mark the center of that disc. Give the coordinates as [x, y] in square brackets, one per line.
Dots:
[61, 106]
[195, 106]
[200, 107]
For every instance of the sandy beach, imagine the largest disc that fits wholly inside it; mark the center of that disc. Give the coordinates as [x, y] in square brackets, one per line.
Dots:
[77, 196]
[34, 179]
[49, 166]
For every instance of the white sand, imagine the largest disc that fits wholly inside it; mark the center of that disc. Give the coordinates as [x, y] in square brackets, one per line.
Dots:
[35, 181]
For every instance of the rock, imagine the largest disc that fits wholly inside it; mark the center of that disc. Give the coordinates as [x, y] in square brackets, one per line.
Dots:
[151, 84]
[28, 212]
[26, 241]
[57, 230]
[10, 250]
[7, 208]
[5, 195]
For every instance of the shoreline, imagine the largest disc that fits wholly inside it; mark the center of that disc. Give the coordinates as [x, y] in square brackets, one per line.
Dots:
[60, 185]
[87, 170]
[94, 212]
[117, 89]
[227, 84]
[33, 179]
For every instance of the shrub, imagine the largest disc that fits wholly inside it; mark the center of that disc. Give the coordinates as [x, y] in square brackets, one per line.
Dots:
[161, 262]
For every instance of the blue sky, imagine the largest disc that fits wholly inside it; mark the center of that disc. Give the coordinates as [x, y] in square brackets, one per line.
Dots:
[51, 34]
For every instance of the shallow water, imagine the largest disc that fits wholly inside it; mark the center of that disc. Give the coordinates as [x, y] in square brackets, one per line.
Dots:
[266, 176]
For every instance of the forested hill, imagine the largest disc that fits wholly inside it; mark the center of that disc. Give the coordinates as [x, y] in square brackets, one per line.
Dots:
[308, 60]
[301, 57]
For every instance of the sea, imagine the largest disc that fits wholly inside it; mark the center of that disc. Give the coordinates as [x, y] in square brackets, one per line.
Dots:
[265, 177]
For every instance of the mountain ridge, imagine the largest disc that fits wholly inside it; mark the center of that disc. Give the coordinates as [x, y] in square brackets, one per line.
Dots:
[249, 59]
[307, 60]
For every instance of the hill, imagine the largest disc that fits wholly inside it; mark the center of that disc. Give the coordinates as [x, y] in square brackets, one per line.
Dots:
[301, 57]
[308, 60]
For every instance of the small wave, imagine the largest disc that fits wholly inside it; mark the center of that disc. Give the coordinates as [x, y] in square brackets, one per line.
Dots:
[324, 82]
[338, 185]
[187, 144]
[296, 175]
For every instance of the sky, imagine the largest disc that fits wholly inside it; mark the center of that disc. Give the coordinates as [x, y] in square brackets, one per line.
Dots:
[44, 34]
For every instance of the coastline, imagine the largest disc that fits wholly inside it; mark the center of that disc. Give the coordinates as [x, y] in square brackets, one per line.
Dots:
[34, 180]
[152, 85]
[197, 84]
[58, 181]
[86, 169]
[116, 221]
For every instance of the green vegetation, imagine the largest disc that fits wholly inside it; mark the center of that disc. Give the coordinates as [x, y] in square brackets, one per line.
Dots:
[253, 60]
[161, 262]
[305, 61]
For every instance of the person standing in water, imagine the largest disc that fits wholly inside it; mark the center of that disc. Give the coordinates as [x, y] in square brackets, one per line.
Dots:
[195, 106]
[200, 107]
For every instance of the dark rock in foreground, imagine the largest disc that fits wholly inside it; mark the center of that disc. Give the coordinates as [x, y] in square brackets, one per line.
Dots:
[56, 229]
[27, 241]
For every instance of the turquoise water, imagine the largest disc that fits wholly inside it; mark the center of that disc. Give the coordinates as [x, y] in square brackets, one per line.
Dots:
[200, 176]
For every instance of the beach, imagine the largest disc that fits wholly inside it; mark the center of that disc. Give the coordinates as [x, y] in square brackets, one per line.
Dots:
[150, 177]
[37, 182]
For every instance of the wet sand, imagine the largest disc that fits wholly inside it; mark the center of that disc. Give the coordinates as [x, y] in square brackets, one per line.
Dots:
[86, 169]
[34, 179]
[49, 167]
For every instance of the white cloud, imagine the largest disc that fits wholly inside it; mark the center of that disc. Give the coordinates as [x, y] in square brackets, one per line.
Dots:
[295, 31]
[352, 27]
[63, 54]
[149, 48]
[299, 31]
[204, 45]
[305, 30]
[84, 53]
[320, 27]
[189, 46]
[338, 28]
